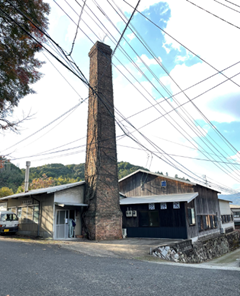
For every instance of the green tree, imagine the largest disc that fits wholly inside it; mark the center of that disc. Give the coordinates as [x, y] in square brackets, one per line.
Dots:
[5, 191]
[10, 175]
[18, 64]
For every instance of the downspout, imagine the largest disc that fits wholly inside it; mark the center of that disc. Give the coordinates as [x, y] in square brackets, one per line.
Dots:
[40, 211]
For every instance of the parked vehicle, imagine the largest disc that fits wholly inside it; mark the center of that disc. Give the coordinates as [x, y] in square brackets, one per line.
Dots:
[8, 222]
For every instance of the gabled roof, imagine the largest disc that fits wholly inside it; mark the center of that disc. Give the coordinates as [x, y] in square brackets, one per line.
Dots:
[166, 177]
[181, 197]
[155, 174]
[44, 190]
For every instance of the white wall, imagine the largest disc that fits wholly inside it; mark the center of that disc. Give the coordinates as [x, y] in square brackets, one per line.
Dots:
[224, 208]
[70, 195]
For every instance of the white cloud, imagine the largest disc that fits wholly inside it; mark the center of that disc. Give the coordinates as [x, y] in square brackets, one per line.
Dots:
[205, 35]
[131, 36]
[147, 60]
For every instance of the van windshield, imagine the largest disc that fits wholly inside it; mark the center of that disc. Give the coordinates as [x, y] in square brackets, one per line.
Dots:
[8, 217]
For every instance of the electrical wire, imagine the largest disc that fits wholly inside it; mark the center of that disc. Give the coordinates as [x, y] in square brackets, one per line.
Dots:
[232, 3]
[65, 1]
[80, 16]
[105, 14]
[42, 128]
[226, 6]
[230, 145]
[213, 14]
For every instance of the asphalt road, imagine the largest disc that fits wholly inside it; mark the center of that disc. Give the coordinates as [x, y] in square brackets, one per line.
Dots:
[35, 269]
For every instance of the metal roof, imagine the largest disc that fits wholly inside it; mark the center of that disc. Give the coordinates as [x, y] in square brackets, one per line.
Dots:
[44, 190]
[182, 197]
[227, 200]
[235, 206]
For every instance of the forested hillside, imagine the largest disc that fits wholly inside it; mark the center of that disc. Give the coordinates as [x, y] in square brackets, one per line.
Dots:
[74, 171]
[51, 174]
[10, 175]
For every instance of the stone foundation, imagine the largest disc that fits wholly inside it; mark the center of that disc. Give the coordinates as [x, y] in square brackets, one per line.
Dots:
[203, 250]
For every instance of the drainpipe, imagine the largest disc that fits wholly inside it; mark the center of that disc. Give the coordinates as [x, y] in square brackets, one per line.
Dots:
[28, 163]
[39, 204]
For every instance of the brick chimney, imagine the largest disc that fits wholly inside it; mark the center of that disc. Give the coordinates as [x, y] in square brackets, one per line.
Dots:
[103, 219]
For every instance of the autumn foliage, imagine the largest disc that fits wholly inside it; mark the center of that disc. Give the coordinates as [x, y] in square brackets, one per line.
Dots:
[18, 64]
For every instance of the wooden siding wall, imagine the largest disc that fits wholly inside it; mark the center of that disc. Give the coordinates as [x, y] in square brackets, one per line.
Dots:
[192, 230]
[172, 222]
[167, 218]
[142, 184]
[207, 202]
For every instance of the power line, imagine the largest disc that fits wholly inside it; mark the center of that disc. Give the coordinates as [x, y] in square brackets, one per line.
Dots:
[201, 60]
[61, 63]
[90, 29]
[232, 3]
[125, 27]
[226, 6]
[213, 14]
[46, 125]
[153, 143]
[189, 157]
[101, 10]
[174, 108]
[77, 28]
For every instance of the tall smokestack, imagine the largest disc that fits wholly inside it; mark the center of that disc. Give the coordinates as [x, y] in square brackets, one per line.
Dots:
[103, 219]
[28, 163]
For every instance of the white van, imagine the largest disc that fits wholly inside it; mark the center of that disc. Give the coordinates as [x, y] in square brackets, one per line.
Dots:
[8, 222]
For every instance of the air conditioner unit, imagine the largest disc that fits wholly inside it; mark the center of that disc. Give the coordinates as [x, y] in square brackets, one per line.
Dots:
[129, 214]
[222, 230]
[134, 213]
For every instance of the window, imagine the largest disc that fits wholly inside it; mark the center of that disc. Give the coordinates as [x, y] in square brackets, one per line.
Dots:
[236, 214]
[149, 219]
[28, 214]
[35, 214]
[163, 206]
[9, 217]
[206, 222]
[191, 216]
[226, 218]
[19, 212]
[176, 205]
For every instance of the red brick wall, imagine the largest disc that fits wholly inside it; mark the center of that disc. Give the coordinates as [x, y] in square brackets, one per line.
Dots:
[103, 219]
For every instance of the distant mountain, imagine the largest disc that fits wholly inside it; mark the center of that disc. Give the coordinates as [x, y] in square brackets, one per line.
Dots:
[235, 198]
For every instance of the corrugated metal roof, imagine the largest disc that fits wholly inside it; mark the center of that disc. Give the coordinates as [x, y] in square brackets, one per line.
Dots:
[44, 190]
[182, 197]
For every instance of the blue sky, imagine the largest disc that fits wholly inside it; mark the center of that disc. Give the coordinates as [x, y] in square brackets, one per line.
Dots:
[210, 38]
